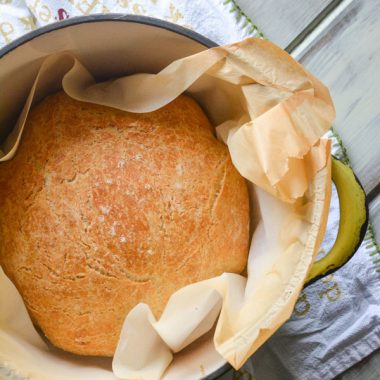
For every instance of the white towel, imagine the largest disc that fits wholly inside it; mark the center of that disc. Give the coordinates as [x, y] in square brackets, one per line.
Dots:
[211, 18]
[336, 322]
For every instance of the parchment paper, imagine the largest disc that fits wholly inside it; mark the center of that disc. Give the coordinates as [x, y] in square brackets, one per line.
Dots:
[271, 114]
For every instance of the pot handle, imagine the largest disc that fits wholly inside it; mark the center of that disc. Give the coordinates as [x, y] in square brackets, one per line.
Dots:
[352, 224]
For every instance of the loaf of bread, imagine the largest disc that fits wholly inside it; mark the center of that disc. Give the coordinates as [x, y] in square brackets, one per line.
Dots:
[102, 209]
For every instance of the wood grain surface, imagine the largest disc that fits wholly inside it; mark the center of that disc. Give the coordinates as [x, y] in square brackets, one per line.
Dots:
[374, 210]
[282, 20]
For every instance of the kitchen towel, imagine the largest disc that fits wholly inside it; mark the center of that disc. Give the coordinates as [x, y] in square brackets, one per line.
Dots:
[210, 18]
[336, 321]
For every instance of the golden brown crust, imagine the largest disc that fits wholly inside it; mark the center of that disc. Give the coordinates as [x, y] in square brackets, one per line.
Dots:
[102, 209]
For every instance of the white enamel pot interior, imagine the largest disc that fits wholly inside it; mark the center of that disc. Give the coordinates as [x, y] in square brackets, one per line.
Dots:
[109, 46]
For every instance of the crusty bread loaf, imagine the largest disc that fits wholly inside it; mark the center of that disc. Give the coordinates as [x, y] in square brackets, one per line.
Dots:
[103, 209]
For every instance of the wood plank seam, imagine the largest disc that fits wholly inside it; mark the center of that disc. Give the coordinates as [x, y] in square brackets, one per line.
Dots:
[313, 25]
[374, 193]
[298, 52]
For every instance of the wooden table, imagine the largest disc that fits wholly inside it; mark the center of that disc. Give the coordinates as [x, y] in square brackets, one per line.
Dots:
[339, 42]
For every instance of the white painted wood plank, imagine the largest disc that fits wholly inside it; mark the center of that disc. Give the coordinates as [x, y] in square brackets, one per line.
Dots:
[374, 214]
[344, 53]
[282, 20]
